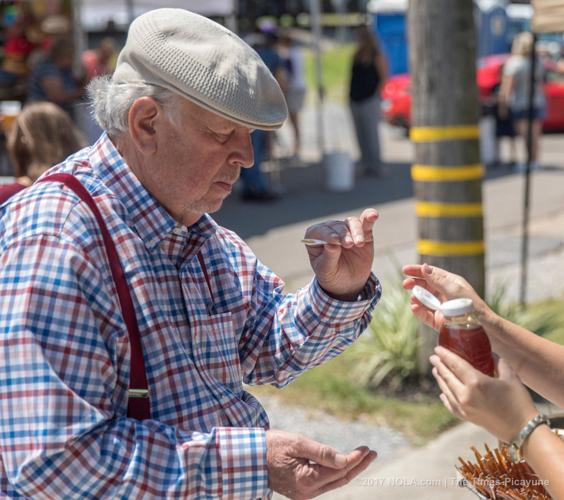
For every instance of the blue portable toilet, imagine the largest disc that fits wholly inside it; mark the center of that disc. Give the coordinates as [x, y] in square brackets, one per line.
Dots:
[390, 26]
[492, 27]
[389, 21]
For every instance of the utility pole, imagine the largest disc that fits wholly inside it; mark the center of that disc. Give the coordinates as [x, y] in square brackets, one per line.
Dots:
[447, 172]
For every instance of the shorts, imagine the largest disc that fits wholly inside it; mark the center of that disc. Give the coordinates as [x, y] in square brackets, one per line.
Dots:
[295, 99]
[523, 114]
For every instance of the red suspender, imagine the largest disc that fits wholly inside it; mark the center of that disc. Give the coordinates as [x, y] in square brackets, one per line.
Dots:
[138, 404]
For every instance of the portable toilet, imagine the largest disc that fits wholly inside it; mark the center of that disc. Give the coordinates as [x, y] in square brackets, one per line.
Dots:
[390, 26]
[492, 27]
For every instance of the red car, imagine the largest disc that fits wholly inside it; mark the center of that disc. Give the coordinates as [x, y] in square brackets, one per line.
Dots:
[396, 97]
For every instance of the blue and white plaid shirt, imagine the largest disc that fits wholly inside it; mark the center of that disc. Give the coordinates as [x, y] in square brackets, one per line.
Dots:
[64, 350]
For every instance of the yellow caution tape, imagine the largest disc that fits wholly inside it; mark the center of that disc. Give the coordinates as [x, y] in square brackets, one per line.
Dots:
[448, 133]
[435, 173]
[428, 209]
[450, 248]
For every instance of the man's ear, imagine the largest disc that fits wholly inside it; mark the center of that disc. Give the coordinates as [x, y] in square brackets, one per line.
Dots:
[142, 117]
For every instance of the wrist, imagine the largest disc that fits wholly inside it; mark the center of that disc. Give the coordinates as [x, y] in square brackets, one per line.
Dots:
[346, 295]
[485, 314]
[518, 443]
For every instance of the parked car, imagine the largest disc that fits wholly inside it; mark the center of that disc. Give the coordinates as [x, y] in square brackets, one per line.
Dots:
[396, 96]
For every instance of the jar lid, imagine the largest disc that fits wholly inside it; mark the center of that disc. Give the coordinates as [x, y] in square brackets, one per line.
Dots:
[426, 297]
[457, 307]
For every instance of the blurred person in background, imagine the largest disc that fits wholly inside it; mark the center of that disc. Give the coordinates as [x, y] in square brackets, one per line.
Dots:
[293, 59]
[500, 404]
[100, 61]
[52, 79]
[368, 76]
[514, 93]
[255, 184]
[17, 48]
[42, 136]
[504, 126]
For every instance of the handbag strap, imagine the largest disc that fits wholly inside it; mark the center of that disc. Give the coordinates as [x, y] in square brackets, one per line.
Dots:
[138, 404]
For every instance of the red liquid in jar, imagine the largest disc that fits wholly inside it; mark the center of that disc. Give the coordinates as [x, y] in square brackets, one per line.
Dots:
[472, 344]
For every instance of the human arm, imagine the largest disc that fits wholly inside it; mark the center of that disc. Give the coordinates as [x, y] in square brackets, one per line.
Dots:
[281, 76]
[544, 452]
[382, 67]
[537, 361]
[56, 92]
[507, 86]
[64, 358]
[503, 407]
[286, 334]
[505, 91]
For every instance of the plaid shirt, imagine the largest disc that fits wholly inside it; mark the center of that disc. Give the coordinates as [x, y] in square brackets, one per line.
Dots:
[64, 350]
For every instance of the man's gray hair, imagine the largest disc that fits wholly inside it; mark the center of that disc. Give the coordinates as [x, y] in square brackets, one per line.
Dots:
[110, 102]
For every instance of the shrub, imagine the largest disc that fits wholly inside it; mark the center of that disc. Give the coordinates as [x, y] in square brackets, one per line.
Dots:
[388, 350]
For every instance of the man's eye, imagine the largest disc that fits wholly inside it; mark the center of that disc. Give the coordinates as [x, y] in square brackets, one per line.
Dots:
[221, 137]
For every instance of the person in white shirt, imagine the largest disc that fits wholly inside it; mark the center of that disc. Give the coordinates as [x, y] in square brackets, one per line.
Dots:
[293, 58]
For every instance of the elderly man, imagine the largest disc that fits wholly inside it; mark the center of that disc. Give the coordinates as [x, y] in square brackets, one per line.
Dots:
[178, 115]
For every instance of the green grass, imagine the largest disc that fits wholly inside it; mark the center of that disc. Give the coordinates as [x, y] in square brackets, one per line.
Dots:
[335, 65]
[333, 388]
[547, 319]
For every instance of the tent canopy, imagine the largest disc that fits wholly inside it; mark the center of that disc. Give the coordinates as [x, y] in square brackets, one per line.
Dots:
[548, 16]
[95, 14]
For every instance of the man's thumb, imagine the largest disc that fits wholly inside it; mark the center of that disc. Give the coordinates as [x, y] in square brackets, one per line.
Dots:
[322, 454]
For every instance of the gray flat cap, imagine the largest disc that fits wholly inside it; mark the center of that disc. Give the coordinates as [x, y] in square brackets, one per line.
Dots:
[204, 62]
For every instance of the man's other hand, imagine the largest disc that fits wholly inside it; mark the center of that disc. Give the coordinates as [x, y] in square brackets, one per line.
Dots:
[300, 468]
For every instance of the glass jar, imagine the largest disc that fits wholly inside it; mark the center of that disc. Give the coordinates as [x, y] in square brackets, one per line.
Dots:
[463, 334]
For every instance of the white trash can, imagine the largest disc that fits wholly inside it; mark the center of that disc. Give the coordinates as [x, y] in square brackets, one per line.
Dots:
[339, 171]
[488, 146]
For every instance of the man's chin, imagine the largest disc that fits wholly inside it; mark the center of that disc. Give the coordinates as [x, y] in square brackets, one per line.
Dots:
[211, 206]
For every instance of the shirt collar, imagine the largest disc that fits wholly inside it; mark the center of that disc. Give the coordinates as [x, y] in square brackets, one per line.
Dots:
[147, 217]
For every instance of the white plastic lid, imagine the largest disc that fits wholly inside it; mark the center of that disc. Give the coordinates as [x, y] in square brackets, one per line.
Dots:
[457, 307]
[426, 297]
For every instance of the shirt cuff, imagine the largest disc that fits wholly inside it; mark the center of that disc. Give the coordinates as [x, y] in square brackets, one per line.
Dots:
[244, 473]
[334, 312]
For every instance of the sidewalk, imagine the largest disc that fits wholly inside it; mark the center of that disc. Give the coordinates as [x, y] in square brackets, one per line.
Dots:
[426, 473]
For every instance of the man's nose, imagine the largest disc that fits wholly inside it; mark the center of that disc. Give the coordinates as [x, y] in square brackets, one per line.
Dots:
[243, 155]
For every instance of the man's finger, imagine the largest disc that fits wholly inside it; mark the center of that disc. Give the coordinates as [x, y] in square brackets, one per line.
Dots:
[349, 476]
[356, 230]
[324, 475]
[362, 466]
[321, 454]
[367, 218]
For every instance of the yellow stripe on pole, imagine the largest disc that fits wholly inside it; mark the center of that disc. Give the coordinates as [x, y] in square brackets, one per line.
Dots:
[449, 133]
[428, 209]
[450, 248]
[435, 173]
